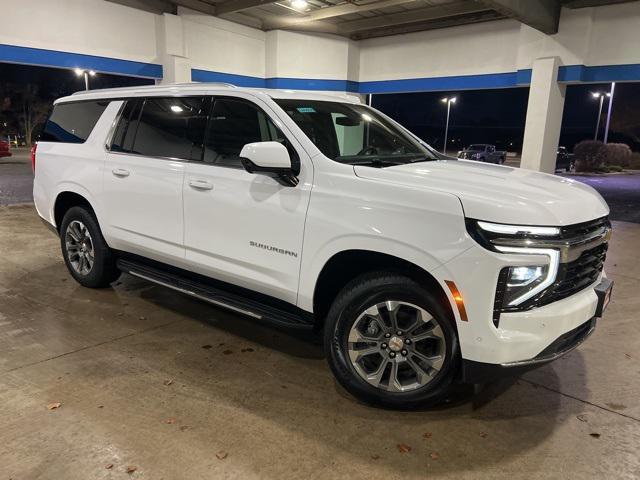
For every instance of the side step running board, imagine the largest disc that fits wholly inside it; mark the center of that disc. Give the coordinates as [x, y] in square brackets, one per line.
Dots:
[218, 296]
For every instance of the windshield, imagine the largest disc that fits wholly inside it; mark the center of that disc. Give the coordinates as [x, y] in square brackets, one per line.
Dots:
[354, 134]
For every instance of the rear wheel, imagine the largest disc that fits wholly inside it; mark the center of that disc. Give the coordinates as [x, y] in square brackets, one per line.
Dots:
[86, 254]
[390, 342]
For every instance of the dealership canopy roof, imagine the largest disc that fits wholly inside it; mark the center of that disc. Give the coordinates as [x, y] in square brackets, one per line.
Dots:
[359, 19]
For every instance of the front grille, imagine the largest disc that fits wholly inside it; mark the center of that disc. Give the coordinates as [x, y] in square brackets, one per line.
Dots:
[573, 276]
[584, 229]
[577, 275]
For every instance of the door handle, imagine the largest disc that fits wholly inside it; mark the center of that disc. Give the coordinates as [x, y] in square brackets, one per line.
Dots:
[200, 184]
[120, 172]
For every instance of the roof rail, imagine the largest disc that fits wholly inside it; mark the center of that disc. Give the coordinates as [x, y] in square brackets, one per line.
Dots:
[154, 87]
[194, 84]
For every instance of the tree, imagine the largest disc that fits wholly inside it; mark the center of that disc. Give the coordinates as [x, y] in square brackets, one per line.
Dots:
[33, 109]
[25, 107]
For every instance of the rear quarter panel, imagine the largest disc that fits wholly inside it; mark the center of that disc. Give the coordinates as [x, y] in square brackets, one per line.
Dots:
[72, 167]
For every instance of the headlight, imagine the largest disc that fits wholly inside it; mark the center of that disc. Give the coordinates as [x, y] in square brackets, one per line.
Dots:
[525, 282]
[519, 283]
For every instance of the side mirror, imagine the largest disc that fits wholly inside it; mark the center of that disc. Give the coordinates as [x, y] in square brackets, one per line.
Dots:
[269, 158]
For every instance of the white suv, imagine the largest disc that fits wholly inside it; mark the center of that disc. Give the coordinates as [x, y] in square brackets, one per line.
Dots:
[314, 211]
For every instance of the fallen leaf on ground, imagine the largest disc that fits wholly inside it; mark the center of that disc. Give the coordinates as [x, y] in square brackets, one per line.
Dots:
[221, 344]
[403, 448]
[54, 405]
[627, 355]
[170, 421]
[595, 435]
[206, 347]
[582, 417]
[168, 382]
[483, 434]
[100, 406]
[222, 455]
[375, 457]
[427, 434]
[109, 466]
[228, 352]
[131, 469]
[143, 318]
[119, 314]
[247, 350]
[434, 455]
[184, 427]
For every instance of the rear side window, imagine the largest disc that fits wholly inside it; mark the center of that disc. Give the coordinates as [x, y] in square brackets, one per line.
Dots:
[163, 127]
[125, 131]
[73, 122]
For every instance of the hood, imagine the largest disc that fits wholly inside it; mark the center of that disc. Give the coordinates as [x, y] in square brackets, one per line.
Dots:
[500, 194]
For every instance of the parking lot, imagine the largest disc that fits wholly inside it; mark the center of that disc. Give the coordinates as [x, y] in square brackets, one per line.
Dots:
[169, 387]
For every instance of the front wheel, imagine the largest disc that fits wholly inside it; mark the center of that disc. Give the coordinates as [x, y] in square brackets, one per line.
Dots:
[86, 254]
[390, 342]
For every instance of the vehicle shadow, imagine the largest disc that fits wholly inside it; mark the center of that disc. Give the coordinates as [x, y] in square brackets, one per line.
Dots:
[474, 427]
[286, 384]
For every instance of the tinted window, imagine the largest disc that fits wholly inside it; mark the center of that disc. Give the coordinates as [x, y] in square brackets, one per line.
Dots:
[233, 124]
[354, 134]
[166, 127]
[125, 131]
[72, 122]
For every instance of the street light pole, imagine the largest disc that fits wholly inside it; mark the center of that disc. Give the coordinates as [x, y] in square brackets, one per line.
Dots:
[595, 135]
[599, 95]
[606, 128]
[85, 74]
[448, 101]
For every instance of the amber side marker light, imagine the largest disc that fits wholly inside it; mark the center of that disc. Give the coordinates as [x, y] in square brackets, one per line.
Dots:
[458, 299]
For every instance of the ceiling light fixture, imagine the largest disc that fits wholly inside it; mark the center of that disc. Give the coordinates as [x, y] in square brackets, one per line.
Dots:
[299, 4]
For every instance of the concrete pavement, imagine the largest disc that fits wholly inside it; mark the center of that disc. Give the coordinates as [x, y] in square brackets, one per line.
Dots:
[16, 177]
[151, 379]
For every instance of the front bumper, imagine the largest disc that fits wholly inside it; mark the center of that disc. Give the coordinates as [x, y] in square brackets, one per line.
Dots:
[480, 372]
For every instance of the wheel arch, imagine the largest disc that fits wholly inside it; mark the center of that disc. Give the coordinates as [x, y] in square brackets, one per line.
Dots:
[344, 266]
[64, 201]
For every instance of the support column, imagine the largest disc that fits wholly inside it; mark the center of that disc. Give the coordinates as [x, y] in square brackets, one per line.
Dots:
[176, 67]
[544, 116]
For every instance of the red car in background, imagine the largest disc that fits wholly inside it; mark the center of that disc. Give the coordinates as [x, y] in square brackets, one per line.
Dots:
[4, 149]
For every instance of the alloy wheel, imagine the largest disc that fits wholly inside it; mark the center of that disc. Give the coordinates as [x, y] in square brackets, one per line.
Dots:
[396, 346]
[79, 246]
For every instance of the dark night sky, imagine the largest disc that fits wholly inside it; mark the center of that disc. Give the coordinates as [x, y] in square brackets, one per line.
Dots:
[498, 116]
[55, 82]
[481, 116]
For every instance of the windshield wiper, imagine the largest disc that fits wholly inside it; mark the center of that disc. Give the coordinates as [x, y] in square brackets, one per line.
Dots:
[375, 162]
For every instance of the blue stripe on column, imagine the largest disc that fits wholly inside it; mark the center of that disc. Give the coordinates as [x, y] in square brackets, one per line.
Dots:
[313, 84]
[239, 80]
[52, 58]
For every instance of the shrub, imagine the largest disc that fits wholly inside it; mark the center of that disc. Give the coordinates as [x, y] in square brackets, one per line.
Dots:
[588, 155]
[616, 154]
[615, 168]
[634, 161]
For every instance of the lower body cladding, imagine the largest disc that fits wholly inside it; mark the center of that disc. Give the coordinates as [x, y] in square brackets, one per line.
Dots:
[521, 340]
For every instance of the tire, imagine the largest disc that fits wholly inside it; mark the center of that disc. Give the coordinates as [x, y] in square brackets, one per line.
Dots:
[371, 292]
[96, 273]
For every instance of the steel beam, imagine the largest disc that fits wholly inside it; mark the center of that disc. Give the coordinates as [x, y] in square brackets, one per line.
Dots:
[543, 15]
